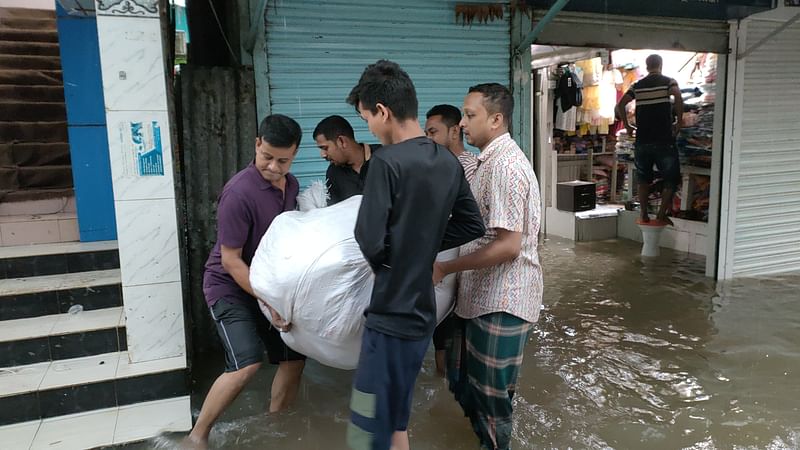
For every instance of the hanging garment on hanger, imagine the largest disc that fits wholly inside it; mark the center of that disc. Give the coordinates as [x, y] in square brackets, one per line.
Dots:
[569, 91]
[592, 71]
[608, 95]
[565, 121]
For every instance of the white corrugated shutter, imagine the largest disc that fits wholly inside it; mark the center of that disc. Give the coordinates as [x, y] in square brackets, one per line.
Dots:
[767, 206]
[317, 50]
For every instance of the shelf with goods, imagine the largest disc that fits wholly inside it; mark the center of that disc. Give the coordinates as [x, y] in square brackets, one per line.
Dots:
[595, 159]
[695, 141]
[583, 130]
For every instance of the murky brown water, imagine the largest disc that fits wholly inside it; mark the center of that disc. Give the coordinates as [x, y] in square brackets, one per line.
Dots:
[626, 355]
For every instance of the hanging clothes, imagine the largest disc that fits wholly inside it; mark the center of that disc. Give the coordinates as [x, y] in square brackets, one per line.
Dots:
[569, 90]
[592, 71]
[566, 121]
[608, 93]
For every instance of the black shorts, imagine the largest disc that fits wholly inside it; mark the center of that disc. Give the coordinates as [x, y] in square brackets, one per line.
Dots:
[665, 157]
[443, 332]
[245, 334]
[383, 388]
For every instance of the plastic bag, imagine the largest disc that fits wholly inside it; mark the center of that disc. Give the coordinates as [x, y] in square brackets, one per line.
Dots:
[309, 268]
[315, 196]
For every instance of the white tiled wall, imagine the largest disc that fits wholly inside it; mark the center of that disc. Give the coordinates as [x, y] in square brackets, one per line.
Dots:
[131, 63]
[148, 241]
[134, 87]
[157, 319]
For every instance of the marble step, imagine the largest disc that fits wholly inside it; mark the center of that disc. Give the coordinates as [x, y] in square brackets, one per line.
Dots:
[105, 427]
[22, 298]
[27, 18]
[61, 336]
[45, 35]
[33, 196]
[29, 154]
[37, 228]
[34, 131]
[47, 92]
[28, 62]
[57, 258]
[44, 390]
[29, 48]
[32, 110]
[19, 77]
[44, 177]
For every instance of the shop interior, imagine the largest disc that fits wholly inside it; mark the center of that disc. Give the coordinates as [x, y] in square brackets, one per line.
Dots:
[584, 156]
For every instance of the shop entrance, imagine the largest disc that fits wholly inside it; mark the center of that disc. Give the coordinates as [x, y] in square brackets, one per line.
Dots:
[584, 157]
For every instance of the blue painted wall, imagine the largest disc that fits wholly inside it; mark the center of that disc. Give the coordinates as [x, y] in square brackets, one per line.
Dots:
[86, 122]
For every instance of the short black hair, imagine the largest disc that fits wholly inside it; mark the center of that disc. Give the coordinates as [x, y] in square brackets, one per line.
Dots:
[280, 131]
[451, 116]
[334, 126]
[654, 62]
[496, 99]
[386, 83]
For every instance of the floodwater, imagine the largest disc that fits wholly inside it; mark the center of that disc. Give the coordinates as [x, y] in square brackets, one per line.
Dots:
[626, 355]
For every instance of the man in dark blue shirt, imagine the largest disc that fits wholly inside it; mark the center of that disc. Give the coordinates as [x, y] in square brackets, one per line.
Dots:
[656, 129]
[416, 203]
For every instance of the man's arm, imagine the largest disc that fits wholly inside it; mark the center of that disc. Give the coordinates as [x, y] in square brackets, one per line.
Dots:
[234, 221]
[333, 193]
[373, 216]
[236, 267]
[507, 215]
[233, 226]
[506, 247]
[675, 91]
[233, 263]
[466, 223]
[622, 114]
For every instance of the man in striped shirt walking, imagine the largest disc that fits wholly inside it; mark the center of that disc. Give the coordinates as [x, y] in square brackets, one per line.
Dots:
[658, 122]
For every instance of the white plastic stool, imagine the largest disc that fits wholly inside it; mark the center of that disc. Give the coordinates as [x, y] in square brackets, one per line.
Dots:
[651, 236]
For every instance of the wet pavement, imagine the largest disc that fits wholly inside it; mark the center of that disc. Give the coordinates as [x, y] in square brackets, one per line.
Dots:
[626, 355]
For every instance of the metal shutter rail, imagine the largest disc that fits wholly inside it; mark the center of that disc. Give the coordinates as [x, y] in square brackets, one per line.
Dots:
[317, 50]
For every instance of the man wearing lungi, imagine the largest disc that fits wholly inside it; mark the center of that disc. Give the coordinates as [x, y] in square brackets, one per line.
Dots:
[500, 288]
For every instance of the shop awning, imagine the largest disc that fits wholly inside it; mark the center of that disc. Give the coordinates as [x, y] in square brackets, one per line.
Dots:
[691, 9]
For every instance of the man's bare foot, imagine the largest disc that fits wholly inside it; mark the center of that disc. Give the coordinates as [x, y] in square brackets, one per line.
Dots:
[193, 443]
[665, 220]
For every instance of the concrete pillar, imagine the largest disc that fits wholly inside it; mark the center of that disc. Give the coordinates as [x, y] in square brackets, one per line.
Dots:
[134, 87]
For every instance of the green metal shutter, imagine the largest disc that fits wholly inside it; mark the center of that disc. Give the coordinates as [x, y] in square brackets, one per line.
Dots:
[316, 51]
[767, 214]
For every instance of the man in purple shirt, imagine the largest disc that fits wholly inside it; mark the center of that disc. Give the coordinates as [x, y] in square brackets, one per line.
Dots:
[247, 206]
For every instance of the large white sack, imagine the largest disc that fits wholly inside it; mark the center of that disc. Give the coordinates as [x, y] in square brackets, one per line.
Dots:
[315, 196]
[308, 267]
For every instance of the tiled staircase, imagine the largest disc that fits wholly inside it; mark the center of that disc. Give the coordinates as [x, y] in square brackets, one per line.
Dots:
[66, 380]
[35, 168]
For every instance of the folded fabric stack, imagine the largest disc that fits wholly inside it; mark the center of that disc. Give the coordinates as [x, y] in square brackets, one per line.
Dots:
[625, 146]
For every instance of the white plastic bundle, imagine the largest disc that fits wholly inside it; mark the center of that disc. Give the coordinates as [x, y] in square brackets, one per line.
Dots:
[315, 196]
[309, 268]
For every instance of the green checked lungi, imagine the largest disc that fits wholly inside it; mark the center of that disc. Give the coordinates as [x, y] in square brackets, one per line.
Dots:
[483, 361]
